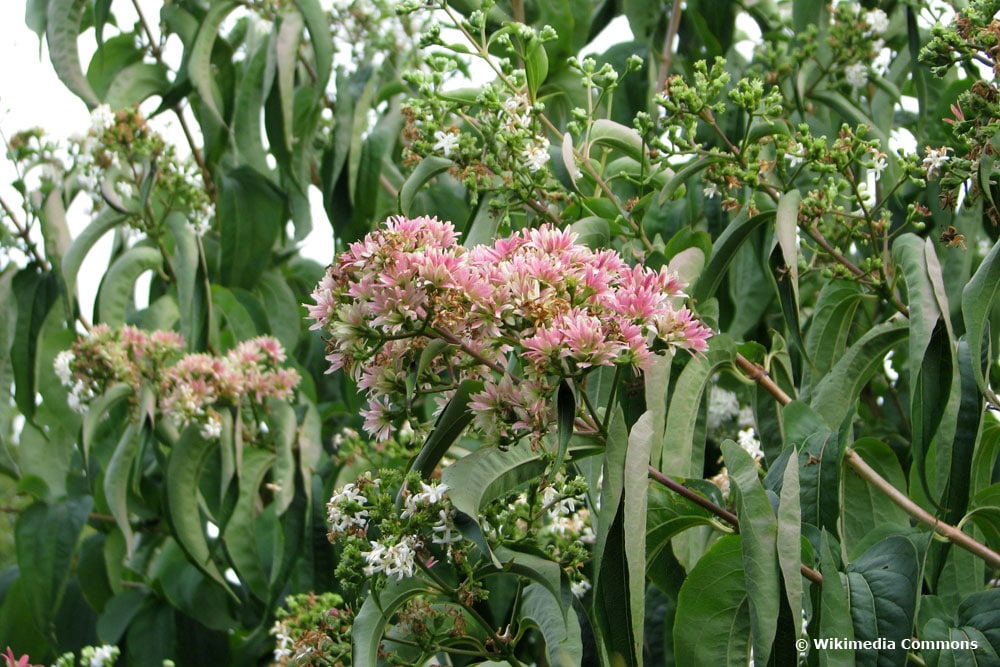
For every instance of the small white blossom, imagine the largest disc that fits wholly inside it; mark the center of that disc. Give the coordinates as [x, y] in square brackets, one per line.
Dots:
[557, 507]
[890, 372]
[446, 142]
[536, 155]
[935, 159]
[878, 21]
[99, 656]
[795, 154]
[751, 445]
[446, 527]
[856, 75]
[101, 119]
[398, 559]
[212, 428]
[580, 588]
[710, 190]
[62, 367]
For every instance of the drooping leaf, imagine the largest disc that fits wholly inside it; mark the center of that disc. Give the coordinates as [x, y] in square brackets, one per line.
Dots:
[978, 621]
[835, 609]
[251, 214]
[118, 285]
[557, 622]
[882, 585]
[789, 539]
[62, 30]
[116, 481]
[375, 614]
[286, 51]
[715, 629]
[723, 252]
[199, 61]
[865, 508]
[831, 322]
[819, 451]
[240, 536]
[449, 425]
[759, 543]
[979, 298]
[46, 539]
[36, 293]
[428, 168]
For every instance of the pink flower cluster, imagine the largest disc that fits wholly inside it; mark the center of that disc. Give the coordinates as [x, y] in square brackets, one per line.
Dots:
[519, 315]
[188, 390]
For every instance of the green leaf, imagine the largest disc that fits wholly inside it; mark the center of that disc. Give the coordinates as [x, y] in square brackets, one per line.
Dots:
[865, 508]
[96, 411]
[882, 585]
[119, 282]
[565, 417]
[789, 540]
[835, 611]
[979, 298]
[36, 293]
[543, 571]
[715, 629]
[680, 455]
[284, 425]
[116, 480]
[137, 83]
[759, 541]
[250, 98]
[604, 132]
[188, 265]
[978, 620]
[286, 49]
[322, 42]
[536, 65]
[967, 430]
[281, 306]
[667, 515]
[819, 452]
[449, 425]
[251, 214]
[724, 251]
[105, 221]
[35, 16]
[836, 394]
[592, 231]
[374, 616]
[829, 327]
[558, 624]
[428, 168]
[46, 537]
[240, 535]
[786, 226]
[685, 175]
[199, 60]
[61, 32]
[849, 113]
[984, 510]
[183, 474]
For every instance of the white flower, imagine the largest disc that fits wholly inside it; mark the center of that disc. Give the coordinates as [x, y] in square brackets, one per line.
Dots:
[536, 155]
[446, 527]
[557, 507]
[745, 417]
[890, 372]
[936, 158]
[101, 119]
[795, 154]
[751, 445]
[580, 588]
[856, 75]
[212, 428]
[710, 190]
[877, 21]
[722, 405]
[723, 482]
[99, 656]
[866, 195]
[62, 367]
[399, 559]
[879, 164]
[446, 142]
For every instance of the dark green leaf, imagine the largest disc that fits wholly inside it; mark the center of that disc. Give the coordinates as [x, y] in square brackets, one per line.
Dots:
[866, 508]
[979, 298]
[118, 286]
[558, 624]
[724, 251]
[251, 214]
[199, 61]
[61, 32]
[374, 616]
[449, 425]
[428, 168]
[36, 294]
[240, 536]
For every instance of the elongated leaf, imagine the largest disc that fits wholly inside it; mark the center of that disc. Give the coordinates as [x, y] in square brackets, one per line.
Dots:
[565, 416]
[724, 251]
[251, 213]
[680, 456]
[831, 322]
[286, 49]
[119, 282]
[137, 83]
[281, 306]
[45, 537]
[606, 132]
[882, 585]
[759, 542]
[557, 623]
[667, 515]
[979, 298]
[979, 621]
[849, 113]
[105, 221]
[449, 425]
[789, 539]
[61, 32]
[250, 98]
[192, 299]
[542, 571]
[685, 175]
[536, 65]
[116, 482]
[97, 409]
[36, 293]
[835, 609]
[199, 60]
[374, 616]
[865, 508]
[240, 535]
[836, 393]
[715, 629]
[819, 464]
[184, 467]
[786, 227]
[967, 430]
[428, 168]
[322, 42]
[640, 446]
[284, 426]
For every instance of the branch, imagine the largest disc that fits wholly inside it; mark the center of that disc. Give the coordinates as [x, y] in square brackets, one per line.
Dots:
[724, 514]
[667, 55]
[866, 472]
[22, 232]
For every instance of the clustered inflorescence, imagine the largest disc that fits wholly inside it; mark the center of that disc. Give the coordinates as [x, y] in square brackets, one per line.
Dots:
[190, 387]
[409, 311]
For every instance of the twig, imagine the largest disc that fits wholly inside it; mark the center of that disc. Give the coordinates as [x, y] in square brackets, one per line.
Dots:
[724, 514]
[866, 472]
[22, 232]
[667, 55]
